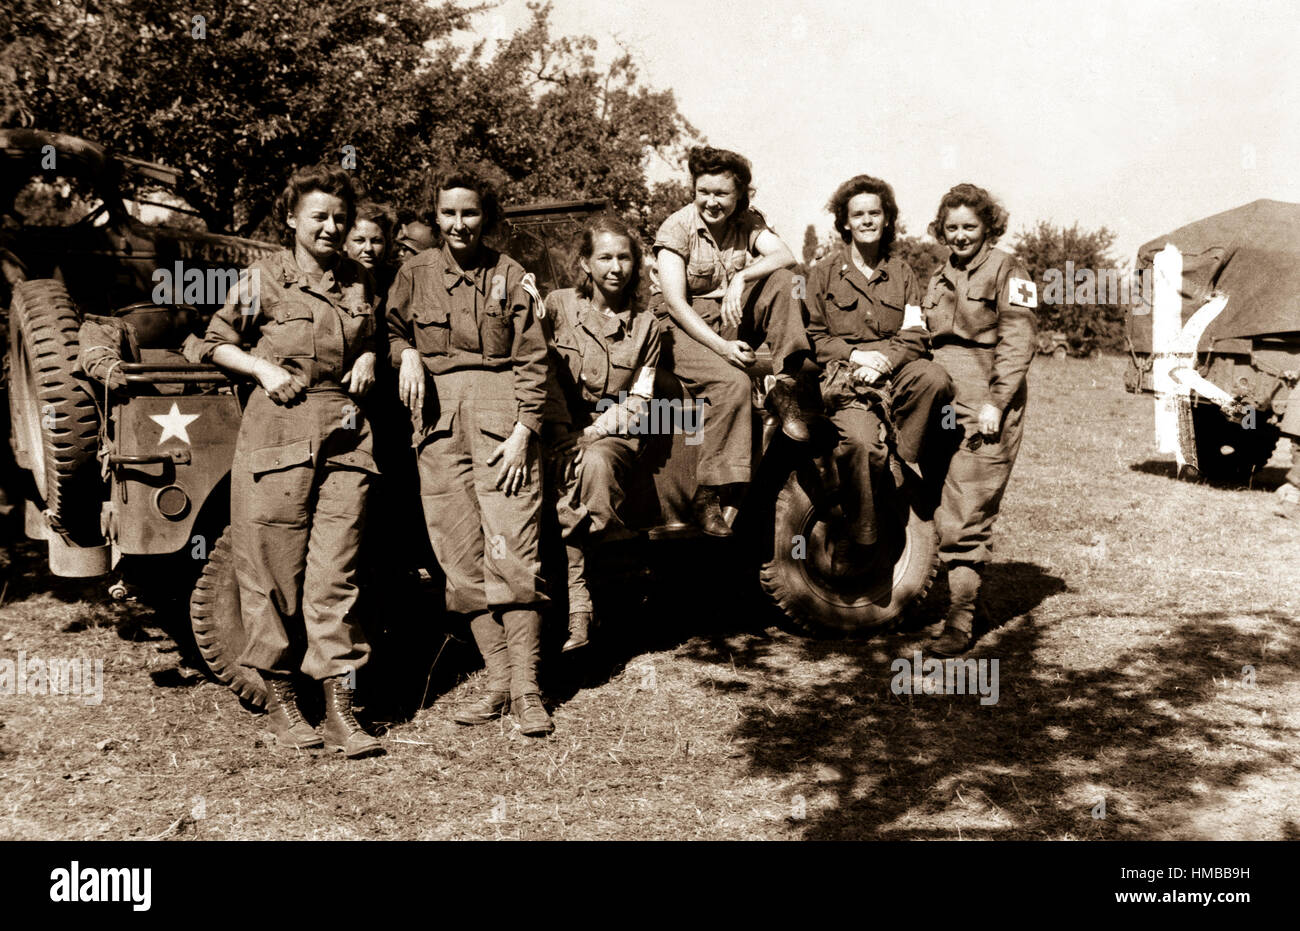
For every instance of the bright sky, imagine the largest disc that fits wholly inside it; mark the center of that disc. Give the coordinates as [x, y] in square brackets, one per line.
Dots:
[1133, 114]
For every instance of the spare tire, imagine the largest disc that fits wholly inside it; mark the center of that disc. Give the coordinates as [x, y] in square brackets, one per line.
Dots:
[900, 567]
[219, 625]
[53, 417]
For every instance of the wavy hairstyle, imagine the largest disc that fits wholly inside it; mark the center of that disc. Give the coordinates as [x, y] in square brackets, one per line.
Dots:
[470, 180]
[330, 179]
[609, 223]
[992, 214]
[382, 217]
[838, 205]
[706, 160]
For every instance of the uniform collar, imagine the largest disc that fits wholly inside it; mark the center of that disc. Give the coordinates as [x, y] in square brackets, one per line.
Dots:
[950, 271]
[598, 321]
[291, 274]
[846, 268]
[453, 275]
[703, 227]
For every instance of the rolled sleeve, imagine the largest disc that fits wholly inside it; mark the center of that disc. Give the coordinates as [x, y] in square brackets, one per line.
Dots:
[239, 317]
[675, 236]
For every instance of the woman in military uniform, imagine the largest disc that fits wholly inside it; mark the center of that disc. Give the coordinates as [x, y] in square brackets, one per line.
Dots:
[303, 460]
[726, 284]
[864, 321]
[979, 308]
[471, 358]
[604, 353]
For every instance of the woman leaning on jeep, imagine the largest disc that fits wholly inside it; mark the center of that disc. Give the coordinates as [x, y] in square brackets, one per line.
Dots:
[302, 324]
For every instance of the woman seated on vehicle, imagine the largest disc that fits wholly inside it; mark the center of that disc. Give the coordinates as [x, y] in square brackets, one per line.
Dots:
[864, 322]
[726, 283]
[980, 310]
[464, 318]
[303, 461]
[603, 356]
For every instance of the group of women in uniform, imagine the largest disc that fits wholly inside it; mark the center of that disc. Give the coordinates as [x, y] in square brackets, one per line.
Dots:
[502, 386]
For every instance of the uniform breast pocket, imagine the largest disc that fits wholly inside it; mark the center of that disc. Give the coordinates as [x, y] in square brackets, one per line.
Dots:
[293, 335]
[889, 317]
[432, 331]
[497, 333]
[979, 312]
[360, 319]
[622, 374]
[700, 276]
[842, 314]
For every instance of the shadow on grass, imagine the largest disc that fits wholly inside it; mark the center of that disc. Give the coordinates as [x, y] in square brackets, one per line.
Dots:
[867, 763]
[655, 596]
[1266, 479]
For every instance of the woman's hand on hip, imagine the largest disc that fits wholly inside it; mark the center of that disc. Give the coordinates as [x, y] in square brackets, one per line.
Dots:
[277, 381]
[359, 379]
[410, 380]
[513, 454]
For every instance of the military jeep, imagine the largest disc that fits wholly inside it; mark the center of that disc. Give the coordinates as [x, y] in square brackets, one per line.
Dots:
[1249, 354]
[138, 477]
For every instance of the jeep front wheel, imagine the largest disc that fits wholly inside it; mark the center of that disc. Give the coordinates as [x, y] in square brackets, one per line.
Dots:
[802, 579]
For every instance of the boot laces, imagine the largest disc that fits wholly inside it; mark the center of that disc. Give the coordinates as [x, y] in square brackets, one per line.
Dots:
[287, 698]
[343, 705]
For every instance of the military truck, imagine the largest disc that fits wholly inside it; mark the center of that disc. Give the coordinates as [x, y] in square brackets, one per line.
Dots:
[1249, 354]
[135, 481]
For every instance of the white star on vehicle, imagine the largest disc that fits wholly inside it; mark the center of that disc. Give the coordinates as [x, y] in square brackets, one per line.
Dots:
[174, 423]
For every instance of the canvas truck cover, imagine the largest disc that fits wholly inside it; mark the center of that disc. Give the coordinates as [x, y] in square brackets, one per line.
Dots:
[1250, 253]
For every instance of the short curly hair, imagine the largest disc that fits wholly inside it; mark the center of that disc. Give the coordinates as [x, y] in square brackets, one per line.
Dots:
[706, 160]
[992, 214]
[330, 179]
[609, 223]
[470, 180]
[838, 205]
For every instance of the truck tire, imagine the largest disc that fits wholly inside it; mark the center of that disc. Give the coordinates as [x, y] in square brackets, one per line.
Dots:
[219, 625]
[818, 602]
[53, 417]
[1226, 451]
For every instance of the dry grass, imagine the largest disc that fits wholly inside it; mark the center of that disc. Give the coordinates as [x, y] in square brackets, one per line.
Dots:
[1126, 602]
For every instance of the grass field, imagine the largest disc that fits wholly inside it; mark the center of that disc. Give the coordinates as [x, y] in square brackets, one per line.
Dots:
[1126, 603]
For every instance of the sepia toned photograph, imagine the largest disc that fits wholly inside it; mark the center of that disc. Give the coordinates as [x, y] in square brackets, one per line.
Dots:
[438, 420]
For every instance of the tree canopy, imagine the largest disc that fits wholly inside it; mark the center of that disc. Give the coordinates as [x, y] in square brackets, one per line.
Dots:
[240, 95]
[1092, 304]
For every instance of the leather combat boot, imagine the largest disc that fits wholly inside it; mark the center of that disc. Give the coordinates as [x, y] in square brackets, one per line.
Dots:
[342, 732]
[708, 512]
[784, 403]
[964, 589]
[579, 624]
[288, 726]
[490, 705]
[532, 716]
